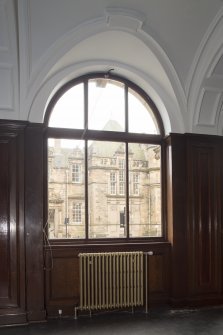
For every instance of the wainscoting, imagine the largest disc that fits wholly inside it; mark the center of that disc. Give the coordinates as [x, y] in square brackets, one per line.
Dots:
[194, 206]
[36, 280]
[62, 273]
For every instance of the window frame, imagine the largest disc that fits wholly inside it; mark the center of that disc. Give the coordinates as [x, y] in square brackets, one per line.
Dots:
[101, 135]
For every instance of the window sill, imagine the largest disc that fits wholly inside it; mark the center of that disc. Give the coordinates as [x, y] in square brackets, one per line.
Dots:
[108, 242]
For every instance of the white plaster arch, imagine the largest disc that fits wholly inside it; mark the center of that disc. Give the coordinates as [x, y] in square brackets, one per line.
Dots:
[44, 82]
[51, 86]
[199, 83]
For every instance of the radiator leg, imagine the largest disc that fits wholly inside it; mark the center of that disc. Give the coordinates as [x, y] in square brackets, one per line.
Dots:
[90, 313]
[75, 312]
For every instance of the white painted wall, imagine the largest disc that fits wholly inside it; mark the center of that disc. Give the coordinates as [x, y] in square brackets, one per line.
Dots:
[9, 70]
[172, 49]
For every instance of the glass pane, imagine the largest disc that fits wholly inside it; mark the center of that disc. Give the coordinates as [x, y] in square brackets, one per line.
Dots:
[144, 190]
[68, 112]
[141, 117]
[66, 189]
[107, 195]
[106, 105]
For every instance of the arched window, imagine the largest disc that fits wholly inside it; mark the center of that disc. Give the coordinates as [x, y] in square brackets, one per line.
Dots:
[104, 161]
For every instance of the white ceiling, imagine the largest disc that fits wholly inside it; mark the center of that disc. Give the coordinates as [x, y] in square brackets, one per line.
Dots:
[177, 25]
[171, 48]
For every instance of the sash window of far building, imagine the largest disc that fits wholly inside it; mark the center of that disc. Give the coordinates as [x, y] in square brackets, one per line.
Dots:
[76, 173]
[76, 212]
[121, 176]
[113, 183]
[136, 183]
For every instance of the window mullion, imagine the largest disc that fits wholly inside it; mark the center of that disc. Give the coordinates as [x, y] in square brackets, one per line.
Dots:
[85, 105]
[126, 110]
[127, 163]
[86, 159]
[127, 190]
[86, 191]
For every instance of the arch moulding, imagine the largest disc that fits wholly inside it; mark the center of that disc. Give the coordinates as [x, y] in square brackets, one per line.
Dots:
[44, 82]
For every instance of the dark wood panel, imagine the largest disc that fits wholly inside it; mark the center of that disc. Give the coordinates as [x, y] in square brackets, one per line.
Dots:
[204, 224]
[159, 279]
[177, 216]
[194, 202]
[34, 224]
[5, 224]
[64, 278]
[204, 216]
[12, 265]
[157, 274]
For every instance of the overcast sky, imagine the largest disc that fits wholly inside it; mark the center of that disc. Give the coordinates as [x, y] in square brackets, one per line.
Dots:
[105, 103]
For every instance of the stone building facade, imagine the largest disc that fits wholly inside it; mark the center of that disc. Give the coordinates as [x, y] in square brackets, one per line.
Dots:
[106, 190]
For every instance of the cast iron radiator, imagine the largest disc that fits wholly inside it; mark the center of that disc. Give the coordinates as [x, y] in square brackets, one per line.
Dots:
[110, 280]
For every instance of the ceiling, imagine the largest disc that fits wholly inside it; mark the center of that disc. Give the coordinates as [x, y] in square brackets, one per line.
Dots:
[173, 49]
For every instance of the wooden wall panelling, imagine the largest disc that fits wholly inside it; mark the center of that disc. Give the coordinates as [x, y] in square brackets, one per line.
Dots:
[159, 277]
[62, 281]
[204, 225]
[193, 273]
[12, 265]
[220, 216]
[34, 222]
[62, 273]
[177, 216]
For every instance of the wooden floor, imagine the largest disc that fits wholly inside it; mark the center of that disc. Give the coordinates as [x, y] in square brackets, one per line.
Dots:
[166, 322]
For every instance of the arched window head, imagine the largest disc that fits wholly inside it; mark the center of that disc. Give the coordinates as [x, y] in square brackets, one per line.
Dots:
[104, 103]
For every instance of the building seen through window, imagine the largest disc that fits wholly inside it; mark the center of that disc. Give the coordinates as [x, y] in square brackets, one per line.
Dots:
[105, 181]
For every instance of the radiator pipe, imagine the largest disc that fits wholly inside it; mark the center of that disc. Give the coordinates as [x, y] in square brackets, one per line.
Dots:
[149, 253]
